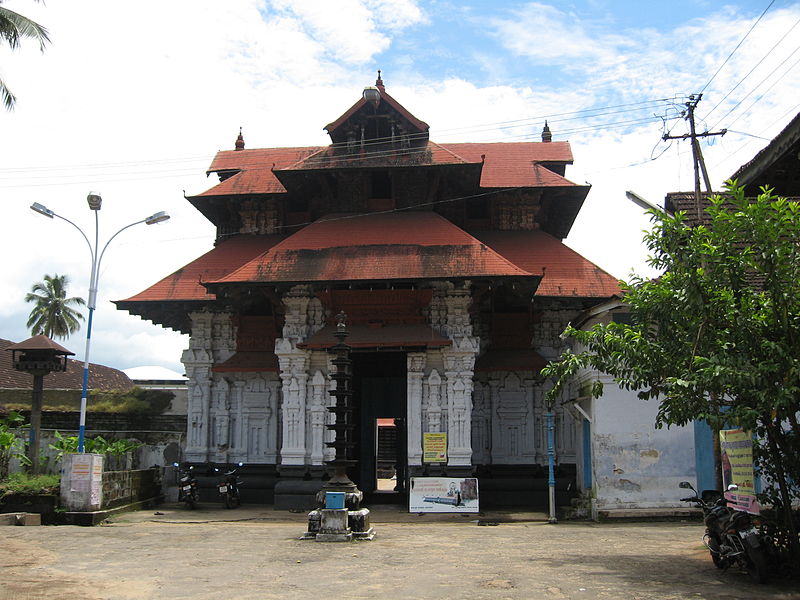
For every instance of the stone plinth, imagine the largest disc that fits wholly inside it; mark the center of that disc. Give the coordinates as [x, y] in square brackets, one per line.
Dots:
[82, 482]
[334, 525]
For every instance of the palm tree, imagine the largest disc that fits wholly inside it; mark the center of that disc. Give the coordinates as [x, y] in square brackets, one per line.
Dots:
[53, 314]
[14, 27]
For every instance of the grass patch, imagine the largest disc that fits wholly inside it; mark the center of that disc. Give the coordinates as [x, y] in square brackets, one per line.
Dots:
[22, 483]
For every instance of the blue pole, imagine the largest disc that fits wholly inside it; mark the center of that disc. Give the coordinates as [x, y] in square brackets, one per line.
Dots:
[551, 464]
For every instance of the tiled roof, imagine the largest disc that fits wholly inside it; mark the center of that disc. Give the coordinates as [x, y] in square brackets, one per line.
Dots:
[511, 164]
[42, 342]
[378, 246]
[186, 283]
[385, 97]
[255, 169]
[406, 335]
[565, 272]
[515, 164]
[380, 154]
[100, 377]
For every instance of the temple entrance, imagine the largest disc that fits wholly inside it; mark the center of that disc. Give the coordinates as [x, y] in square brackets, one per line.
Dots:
[379, 397]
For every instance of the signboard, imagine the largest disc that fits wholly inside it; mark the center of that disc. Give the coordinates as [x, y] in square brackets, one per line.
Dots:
[736, 447]
[434, 447]
[443, 495]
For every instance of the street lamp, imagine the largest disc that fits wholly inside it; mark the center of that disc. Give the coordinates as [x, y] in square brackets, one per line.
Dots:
[95, 201]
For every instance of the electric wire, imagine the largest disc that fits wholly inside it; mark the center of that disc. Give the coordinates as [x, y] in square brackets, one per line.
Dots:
[749, 31]
[771, 73]
[750, 72]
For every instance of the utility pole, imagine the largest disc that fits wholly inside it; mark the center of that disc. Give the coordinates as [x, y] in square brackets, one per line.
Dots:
[697, 154]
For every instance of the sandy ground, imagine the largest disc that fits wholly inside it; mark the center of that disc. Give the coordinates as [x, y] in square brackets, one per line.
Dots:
[255, 553]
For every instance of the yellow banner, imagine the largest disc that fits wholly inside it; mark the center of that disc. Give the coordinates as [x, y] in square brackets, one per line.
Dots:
[736, 446]
[434, 447]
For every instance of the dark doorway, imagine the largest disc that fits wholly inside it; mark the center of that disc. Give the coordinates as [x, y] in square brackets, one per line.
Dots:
[379, 393]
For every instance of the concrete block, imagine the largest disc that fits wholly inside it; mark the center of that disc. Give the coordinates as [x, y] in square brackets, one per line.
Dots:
[29, 519]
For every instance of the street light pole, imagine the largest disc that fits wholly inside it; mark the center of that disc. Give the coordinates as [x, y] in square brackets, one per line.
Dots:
[95, 202]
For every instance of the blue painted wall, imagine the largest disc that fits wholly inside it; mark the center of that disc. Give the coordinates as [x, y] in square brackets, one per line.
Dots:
[704, 456]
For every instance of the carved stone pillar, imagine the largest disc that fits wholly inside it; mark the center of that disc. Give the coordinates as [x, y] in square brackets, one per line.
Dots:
[198, 360]
[416, 372]
[459, 365]
[433, 404]
[293, 363]
[318, 412]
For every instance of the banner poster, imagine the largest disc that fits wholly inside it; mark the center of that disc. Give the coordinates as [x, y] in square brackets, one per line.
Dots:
[434, 447]
[736, 449]
[443, 495]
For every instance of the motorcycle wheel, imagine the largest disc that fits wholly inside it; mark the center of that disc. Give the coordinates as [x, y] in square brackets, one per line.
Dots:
[228, 499]
[756, 564]
[190, 503]
[716, 558]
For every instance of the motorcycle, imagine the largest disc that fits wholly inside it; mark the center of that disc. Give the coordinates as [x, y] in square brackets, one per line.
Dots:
[732, 536]
[188, 492]
[229, 488]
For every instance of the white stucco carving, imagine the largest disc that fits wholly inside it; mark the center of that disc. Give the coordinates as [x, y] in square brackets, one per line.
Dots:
[416, 372]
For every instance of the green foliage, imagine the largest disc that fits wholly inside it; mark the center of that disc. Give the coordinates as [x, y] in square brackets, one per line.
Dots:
[717, 336]
[96, 445]
[138, 400]
[12, 445]
[13, 28]
[22, 483]
[52, 314]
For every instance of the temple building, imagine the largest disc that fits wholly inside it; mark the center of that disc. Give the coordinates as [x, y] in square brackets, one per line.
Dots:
[447, 260]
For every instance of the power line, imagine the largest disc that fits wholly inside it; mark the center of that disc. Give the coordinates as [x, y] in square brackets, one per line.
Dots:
[760, 83]
[750, 72]
[749, 31]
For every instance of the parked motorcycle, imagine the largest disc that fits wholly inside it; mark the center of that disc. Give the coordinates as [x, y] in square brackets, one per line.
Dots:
[732, 536]
[188, 492]
[229, 488]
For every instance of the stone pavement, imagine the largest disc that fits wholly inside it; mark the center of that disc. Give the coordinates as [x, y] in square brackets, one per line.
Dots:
[255, 552]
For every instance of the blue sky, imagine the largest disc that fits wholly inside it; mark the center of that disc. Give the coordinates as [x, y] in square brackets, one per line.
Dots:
[136, 106]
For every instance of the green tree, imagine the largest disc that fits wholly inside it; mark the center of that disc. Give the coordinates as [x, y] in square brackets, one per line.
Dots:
[13, 29]
[717, 336]
[53, 314]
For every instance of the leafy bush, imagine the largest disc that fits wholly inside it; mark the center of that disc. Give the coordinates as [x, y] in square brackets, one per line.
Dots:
[12, 445]
[96, 445]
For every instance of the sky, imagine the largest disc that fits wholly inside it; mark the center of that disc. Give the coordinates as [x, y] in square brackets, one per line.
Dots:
[134, 99]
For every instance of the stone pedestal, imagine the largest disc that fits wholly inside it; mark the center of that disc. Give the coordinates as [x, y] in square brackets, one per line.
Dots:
[340, 524]
[82, 482]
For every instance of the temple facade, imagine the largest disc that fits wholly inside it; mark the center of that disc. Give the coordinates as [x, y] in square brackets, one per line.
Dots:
[447, 260]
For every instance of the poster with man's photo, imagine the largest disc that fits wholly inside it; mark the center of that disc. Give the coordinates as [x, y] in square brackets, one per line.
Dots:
[443, 495]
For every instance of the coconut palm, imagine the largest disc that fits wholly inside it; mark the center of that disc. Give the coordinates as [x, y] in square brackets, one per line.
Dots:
[53, 314]
[13, 28]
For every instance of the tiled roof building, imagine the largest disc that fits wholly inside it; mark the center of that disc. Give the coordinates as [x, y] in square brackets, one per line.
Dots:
[447, 260]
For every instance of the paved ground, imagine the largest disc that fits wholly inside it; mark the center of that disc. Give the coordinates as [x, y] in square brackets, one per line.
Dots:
[255, 553]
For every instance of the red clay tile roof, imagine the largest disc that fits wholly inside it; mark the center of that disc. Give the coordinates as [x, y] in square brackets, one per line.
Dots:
[385, 97]
[186, 283]
[379, 246]
[255, 169]
[41, 342]
[330, 158]
[566, 273]
[405, 335]
[513, 164]
[100, 377]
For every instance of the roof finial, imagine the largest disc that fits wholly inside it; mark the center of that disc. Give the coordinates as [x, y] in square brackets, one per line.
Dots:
[240, 141]
[379, 82]
[547, 136]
